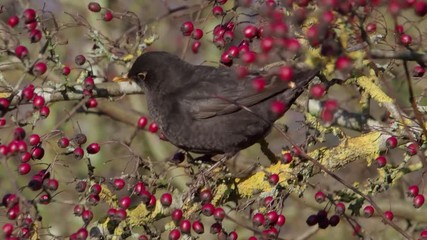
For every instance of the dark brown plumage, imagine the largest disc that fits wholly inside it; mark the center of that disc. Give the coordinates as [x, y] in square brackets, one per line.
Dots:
[199, 108]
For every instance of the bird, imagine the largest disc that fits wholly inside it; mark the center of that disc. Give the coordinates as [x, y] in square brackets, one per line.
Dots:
[210, 110]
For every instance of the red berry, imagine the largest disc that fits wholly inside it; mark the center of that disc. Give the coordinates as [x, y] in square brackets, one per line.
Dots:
[35, 35]
[174, 234]
[34, 139]
[44, 112]
[121, 214]
[80, 60]
[108, 16]
[52, 184]
[28, 92]
[93, 148]
[343, 63]
[391, 142]
[278, 107]
[185, 226]
[119, 183]
[381, 161]
[198, 227]
[63, 142]
[217, 11]
[317, 90]
[206, 195]
[233, 236]
[153, 128]
[273, 179]
[281, 220]
[142, 122]
[267, 44]
[420, 8]
[195, 46]
[87, 216]
[94, 7]
[272, 217]
[38, 102]
[405, 39]
[413, 191]
[371, 28]
[368, 211]
[66, 70]
[208, 209]
[399, 29]
[93, 199]
[228, 36]
[39, 68]
[24, 168]
[125, 202]
[21, 51]
[287, 157]
[412, 149]
[222, 2]
[340, 208]
[166, 199]
[91, 103]
[418, 200]
[250, 31]
[187, 28]
[389, 215]
[418, 71]
[258, 219]
[286, 73]
[258, 84]
[197, 34]
[249, 57]
[78, 153]
[219, 214]
[176, 215]
[151, 202]
[4, 150]
[26, 157]
[13, 21]
[7, 229]
[2, 122]
[29, 15]
[95, 188]
[138, 188]
[4, 103]
[320, 197]
[312, 220]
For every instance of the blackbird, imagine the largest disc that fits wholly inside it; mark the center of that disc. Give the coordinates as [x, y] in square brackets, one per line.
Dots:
[209, 110]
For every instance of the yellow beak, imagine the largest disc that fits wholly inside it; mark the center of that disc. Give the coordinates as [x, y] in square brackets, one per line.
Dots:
[121, 79]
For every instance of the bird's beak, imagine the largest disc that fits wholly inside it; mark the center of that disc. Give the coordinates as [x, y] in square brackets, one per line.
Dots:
[123, 78]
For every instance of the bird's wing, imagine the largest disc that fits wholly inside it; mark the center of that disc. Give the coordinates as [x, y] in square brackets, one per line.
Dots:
[217, 91]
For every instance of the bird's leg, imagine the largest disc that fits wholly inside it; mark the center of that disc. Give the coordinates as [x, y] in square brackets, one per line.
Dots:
[267, 152]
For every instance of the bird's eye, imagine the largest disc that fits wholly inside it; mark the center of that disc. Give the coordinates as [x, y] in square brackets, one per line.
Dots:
[141, 76]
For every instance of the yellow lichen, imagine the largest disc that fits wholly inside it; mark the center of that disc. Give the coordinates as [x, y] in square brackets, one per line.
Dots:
[368, 84]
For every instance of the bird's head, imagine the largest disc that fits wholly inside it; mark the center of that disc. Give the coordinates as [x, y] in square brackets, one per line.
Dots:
[152, 69]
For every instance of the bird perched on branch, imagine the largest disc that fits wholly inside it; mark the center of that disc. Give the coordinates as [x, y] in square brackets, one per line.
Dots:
[209, 110]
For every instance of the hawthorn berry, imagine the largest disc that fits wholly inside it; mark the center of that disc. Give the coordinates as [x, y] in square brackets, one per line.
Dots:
[208, 209]
[153, 127]
[391, 142]
[80, 60]
[125, 202]
[217, 11]
[412, 149]
[24, 168]
[258, 219]
[317, 90]
[413, 191]
[381, 161]
[418, 201]
[278, 107]
[93, 148]
[63, 142]
[44, 111]
[286, 73]
[66, 70]
[38, 102]
[118, 184]
[21, 51]
[176, 215]
[185, 226]
[39, 68]
[78, 153]
[250, 31]
[166, 199]
[13, 21]
[405, 39]
[175, 234]
[389, 215]
[29, 15]
[108, 16]
[219, 214]
[320, 197]
[273, 179]
[94, 7]
[195, 46]
[187, 28]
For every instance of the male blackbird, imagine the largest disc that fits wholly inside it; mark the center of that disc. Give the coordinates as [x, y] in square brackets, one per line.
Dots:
[209, 110]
